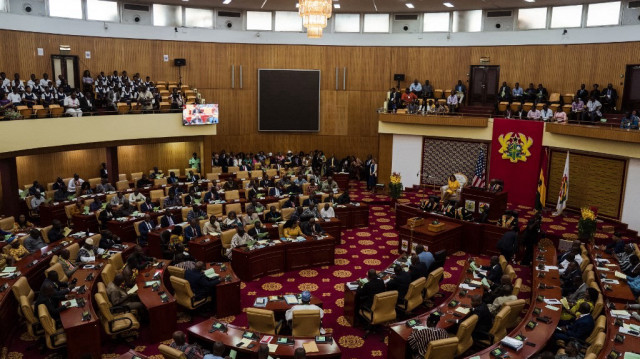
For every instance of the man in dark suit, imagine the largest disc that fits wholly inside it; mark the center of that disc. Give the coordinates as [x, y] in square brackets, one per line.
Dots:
[144, 228]
[582, 93]
[244, 167]
[504, 93]
[399, 282]
[46, 297]
[417, 268]
[172, 178]
[143, 182]
[266, 182]
[60, 289]
[331, 199]
[494, 270]
[374, 286]
[508, 243]
[292, 202]
[309, 201]
[211, 195]
[201, 285]
[55, 234]
[258, 232]
[103, 171]
[609, 96]
[311, 228]
[193, 230]
[147, 206]
[167, 220]
[273, 215]
[485, 319]
[276, 191]
[580, 329]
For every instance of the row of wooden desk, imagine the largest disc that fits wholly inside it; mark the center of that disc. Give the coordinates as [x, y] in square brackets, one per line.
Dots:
[480, 238]
[399, 332]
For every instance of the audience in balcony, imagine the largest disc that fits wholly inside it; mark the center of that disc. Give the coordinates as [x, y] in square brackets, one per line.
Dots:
[629, 121]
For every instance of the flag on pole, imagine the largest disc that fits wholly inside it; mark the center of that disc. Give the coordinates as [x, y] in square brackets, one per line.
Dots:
[563, 196]
[480, 174]
[541, 195]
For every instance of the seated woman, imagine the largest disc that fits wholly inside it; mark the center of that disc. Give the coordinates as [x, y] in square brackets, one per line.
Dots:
[293, 230]
[231, 221]
[454, 186]
[21, 225]
[85, 188]
[176, 238]
[572, 313]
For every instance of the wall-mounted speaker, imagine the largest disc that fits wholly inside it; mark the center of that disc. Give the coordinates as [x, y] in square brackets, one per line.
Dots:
[180, 62]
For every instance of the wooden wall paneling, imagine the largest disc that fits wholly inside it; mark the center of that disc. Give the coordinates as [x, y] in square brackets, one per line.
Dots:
[363, 118]
[143, 158]
[46, 167]
[367, 67]
[385, 152]
[593, 181]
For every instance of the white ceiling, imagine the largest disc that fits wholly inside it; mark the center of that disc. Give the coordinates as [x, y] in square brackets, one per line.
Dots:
[370, 6]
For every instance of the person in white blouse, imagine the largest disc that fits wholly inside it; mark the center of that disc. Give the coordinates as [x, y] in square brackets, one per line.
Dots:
[72, 104]
[327, 211]
[15, 97]
[136, 196]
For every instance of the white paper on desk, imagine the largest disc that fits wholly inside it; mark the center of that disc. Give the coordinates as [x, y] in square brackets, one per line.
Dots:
[9, 270]
[352, 286]
[633, 327]
[475, 282]
[273, 348]
[610, 281]
[133, 289]
[610, 265]
[466, 286]
[602, 260]
[481, 271]
[70, 303]
[555, 309]
[604, 269]
[620, 313]
[552, 301]
[463, 311]
[631, 355]
[246, 341]
[550, 267]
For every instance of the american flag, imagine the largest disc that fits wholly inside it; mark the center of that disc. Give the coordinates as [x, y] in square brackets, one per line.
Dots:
[478, 177]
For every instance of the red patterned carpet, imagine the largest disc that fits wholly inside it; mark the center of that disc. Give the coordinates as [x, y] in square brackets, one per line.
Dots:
[361, 249]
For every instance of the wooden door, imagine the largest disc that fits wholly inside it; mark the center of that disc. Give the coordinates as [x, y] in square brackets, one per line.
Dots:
[67, 66]
[631, 98]
[483, 84]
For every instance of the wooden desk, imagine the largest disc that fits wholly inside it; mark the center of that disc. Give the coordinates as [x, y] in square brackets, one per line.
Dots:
[449, 238]
[342, 179]
[83, 337]
[162, 316]
[200, 333]
[619, 292]
[497, 201]
[333, 227]
[206, 248]
[353, 216]
[542, 333]
[83, 221]
[630, 344]
[284, 256]
[50, 211]
[479, 238]
[228, 300]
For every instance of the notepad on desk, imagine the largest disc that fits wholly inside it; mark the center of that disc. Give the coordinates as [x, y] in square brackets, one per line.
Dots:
[552, 301]
[310, 347]
[620, 275]
[463, 311]
[210, 273]
[9, 270]
[133, 289]
[555, 309]
[290, 299]
[620, 313]
[70, 303]
[272, 348]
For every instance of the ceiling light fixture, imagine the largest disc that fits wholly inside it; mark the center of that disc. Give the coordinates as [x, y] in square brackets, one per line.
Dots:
[314, 15]
[447, 4]
[226, 2]
[336, 6]
[529, 0]
[409, 5]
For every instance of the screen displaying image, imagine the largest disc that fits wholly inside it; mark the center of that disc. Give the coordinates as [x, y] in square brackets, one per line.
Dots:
[194, 115]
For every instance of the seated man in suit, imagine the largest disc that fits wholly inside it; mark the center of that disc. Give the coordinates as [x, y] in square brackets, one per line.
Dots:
[212, 195]
[329, 185]
[108, 239]
[494, 271]
[34, 241]
[331, 199]
[196, 213]
[172, 178]
[400, 282]
[292, 202]
[56, 232]
[276, 191]
[374, 286]
[147, 206]
[168, 220]
[60, 289]
[171, 200]
[579, 329]
[273, 215]
[143, 182]
[417, 269]
[201, 285]
[155, 173]
[258, 232]
[312, 228]
[193, 230]
[192, 197]
[485, 319]
[309, 201]
[192, 177]
[119, 297]
[144, 228]
[46, 297]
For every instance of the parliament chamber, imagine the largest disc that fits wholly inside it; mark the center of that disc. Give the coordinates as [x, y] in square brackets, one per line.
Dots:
[229, 179]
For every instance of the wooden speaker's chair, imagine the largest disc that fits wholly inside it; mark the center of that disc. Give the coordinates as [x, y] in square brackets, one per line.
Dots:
[54, 338]
[184, 295]
[383, 309]
[442, 349]
[414, 296]
[463, 180]
[306, 323]
[171, 353]
[263, 321]
[465, 329]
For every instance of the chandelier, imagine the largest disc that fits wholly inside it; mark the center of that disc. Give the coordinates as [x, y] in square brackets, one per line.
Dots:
[314, 16]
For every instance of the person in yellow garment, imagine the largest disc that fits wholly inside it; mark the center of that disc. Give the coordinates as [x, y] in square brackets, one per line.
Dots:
[294, 230]
[454, 185]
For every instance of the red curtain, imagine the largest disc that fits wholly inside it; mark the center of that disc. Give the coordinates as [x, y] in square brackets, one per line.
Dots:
[516, 149]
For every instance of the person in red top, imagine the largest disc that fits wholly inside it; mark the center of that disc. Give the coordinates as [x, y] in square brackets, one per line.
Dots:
[408, 97]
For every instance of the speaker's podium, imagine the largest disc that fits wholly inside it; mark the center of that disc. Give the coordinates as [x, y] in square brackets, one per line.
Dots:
[472, 198]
